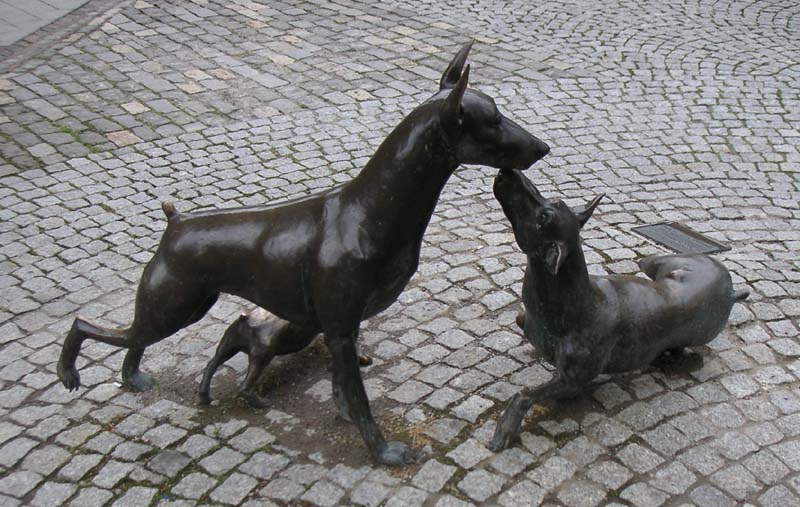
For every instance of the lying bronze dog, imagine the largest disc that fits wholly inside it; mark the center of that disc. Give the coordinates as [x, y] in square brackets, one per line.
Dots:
[261, 336]
[586, 325]
[323, 262]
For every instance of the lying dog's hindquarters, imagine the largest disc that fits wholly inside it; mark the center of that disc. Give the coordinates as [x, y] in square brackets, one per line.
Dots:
[261, 336]
[587, 325]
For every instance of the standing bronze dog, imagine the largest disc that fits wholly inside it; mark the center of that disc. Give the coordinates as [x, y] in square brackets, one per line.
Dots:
[586, 325]
[324, 262]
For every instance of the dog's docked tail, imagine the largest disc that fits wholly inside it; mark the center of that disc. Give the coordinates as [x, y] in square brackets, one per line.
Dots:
[741, 294]
[169, 210]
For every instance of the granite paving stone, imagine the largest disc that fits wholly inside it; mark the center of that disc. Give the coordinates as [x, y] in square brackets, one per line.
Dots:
[523, 493]
[235, 488]
[433, 475]
[480, 485]
[194, 485]
[581, 494]
[221, 461]
[323, 493]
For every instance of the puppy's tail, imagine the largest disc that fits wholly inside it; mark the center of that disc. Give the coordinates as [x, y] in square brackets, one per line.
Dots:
[169, 210]
[741, 294]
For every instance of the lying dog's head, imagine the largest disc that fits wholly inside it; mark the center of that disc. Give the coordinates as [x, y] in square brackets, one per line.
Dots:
[475, 128]
[548, 231]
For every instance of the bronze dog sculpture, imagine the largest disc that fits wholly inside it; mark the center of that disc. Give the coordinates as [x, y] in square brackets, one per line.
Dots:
[586, 325]
[261, 336]
[323, 262]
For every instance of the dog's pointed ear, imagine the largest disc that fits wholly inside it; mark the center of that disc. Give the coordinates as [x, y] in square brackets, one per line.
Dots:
[554, 255]
[452, 113]
[453, 71]
[586, 213]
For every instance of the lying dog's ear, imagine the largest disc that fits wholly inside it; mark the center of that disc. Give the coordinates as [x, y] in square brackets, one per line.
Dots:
[554, 255]
[453, 71]
[452, 113]
[586, 213]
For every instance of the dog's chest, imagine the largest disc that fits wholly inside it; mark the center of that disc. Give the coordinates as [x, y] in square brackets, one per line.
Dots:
[391, 275]
[539, 335]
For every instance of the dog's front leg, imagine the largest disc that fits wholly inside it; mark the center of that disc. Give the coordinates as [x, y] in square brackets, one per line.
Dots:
[509, 425]
[351, 399]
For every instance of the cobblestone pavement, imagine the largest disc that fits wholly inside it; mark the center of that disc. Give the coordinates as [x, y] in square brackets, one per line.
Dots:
[684, 110]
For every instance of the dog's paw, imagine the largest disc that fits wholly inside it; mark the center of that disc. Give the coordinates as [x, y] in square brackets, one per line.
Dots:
[203, 398]
[397, 454]
[69, 376]
[254, 399]
[364, 360]
[501, 440]
[139, 381]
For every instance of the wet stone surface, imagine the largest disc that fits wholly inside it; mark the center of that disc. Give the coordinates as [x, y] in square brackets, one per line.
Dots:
[678, 111]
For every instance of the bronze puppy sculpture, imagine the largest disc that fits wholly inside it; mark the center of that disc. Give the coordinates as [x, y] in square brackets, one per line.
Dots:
[323, 262]
[261, 336]
[586, 325]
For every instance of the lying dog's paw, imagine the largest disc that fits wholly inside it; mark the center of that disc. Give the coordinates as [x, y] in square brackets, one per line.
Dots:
[502, 439]
[69, 376]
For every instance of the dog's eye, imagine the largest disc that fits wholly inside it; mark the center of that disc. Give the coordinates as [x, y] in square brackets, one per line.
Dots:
[497, 119]
[545, 217]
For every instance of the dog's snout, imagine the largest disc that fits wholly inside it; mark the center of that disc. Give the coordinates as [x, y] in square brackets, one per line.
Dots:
[537, 150]
[540, 148]
[544, 149]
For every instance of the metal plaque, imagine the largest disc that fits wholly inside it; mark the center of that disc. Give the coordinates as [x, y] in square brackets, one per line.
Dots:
[679, 238]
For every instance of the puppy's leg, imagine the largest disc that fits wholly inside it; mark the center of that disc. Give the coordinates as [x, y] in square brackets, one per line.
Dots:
[273, 337]
[248, 392]
[229, 346]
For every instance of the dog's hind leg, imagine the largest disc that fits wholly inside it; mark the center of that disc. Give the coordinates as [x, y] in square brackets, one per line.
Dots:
[164, 305]
[132, 376]
[659, 267]
[649, 266]
[81, 330]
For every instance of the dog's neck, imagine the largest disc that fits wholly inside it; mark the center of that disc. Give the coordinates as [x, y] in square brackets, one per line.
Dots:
[563, 296]
[400, 185]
